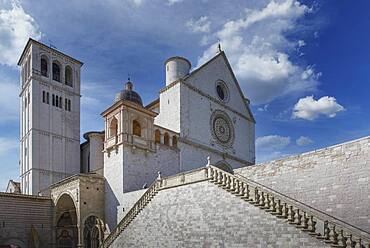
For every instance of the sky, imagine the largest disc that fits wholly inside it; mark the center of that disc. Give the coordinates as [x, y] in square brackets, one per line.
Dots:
[303, 64]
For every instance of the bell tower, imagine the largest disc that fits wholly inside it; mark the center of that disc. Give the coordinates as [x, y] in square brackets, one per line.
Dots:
[49, 117]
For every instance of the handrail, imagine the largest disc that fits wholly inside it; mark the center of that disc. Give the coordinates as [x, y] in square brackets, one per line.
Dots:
[131, 214]
[304, 205]
[331, 229]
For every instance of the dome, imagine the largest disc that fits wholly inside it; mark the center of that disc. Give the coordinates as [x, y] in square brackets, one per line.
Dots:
[129, 95]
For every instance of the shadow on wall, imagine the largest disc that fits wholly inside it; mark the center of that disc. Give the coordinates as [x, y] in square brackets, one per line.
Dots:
[111, 205]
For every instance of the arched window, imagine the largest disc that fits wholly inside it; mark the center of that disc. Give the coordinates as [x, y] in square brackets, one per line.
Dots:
[113, 127]
[166, 139]
[224, 166]
[68, 76]
[157, 136]
[174, 141]
[136, 128]
[44, 67]
[56, 71]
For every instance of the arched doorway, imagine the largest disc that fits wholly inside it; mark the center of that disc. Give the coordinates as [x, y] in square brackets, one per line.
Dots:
[93, 234]
[223, 165]
[66, 229]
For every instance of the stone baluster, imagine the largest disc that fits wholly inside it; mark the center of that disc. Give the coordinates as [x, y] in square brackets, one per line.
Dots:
[219, 177]
[278, 208]
[256, 196]
[224, 180]
[261, 199]
[291, 214]
[297, 218]
[272, 205]
[311, 225]
[246, 194]
[232, 183]
[341, 239]
[333, 235]
[266, 204]
[326, 231]
[238, 185]
[358, 243]
[349, 242]
[304, 221]
[285, 211]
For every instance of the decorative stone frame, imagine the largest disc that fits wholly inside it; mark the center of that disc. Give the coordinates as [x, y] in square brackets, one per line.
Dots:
[221, 114]
[226, 91]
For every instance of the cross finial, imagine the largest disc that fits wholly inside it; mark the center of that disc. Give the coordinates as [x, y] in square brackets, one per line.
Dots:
[219, 47]
[128, 77]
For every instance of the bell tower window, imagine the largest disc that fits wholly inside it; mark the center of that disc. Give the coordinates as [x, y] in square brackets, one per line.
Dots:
[68, 76]
[136, 128]
[56, 71]
[113, 127]
[44, 67]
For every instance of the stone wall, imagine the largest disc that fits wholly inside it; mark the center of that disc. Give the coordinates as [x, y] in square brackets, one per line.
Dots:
[334, 180]
[204, 215]
[19, 213]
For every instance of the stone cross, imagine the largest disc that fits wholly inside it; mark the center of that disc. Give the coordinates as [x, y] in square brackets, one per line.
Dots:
[159, 175]
[208, 161]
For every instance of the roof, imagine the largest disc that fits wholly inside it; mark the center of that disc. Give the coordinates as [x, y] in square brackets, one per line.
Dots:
[222, 53]
[152, 104]
[16, 186]
[30, 40]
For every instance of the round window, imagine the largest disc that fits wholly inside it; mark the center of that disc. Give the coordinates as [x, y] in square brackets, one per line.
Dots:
[222, 128]
[222, 91]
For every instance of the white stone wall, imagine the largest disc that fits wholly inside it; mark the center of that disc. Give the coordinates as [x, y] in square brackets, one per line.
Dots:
[129, 169]
[169, 110]
[333, 179]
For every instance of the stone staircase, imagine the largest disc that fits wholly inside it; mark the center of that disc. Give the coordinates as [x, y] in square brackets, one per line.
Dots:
[314, 222]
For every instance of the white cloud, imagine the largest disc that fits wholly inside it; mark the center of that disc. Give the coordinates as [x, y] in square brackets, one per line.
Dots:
[9, 102]
[259, 51]
[309, 109]
[7, 145]
[202, 25]
[304, 141]
[301, 43]
[172, 2]
[272, 142]
[16, 26]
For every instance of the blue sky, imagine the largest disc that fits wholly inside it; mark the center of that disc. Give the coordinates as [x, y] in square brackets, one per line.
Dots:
[304, 64]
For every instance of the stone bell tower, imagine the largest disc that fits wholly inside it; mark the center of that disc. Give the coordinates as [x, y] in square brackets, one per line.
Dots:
[49, 117]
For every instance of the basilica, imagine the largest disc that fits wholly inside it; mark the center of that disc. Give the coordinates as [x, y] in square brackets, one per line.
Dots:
[176, 172]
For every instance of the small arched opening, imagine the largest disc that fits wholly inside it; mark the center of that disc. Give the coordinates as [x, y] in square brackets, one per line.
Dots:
[157, 136]
[136, 128]
[93, 232]
[113, 127]
[68, 76]
[56, 71]
[44, 66]
[66, 229]
[166, 139]
[174, 141]
[223, 165]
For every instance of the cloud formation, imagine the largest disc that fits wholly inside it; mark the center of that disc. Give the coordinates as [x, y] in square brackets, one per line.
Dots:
[7, 145]
[259, 51]
[272, 142]
[308, 108]
[304, 141]
[9, 102]
[16, 26]
[202, 25]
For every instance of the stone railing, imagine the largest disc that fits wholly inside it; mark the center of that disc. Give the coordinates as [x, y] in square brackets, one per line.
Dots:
[132, 213]
[310, 220]
[316, 223]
